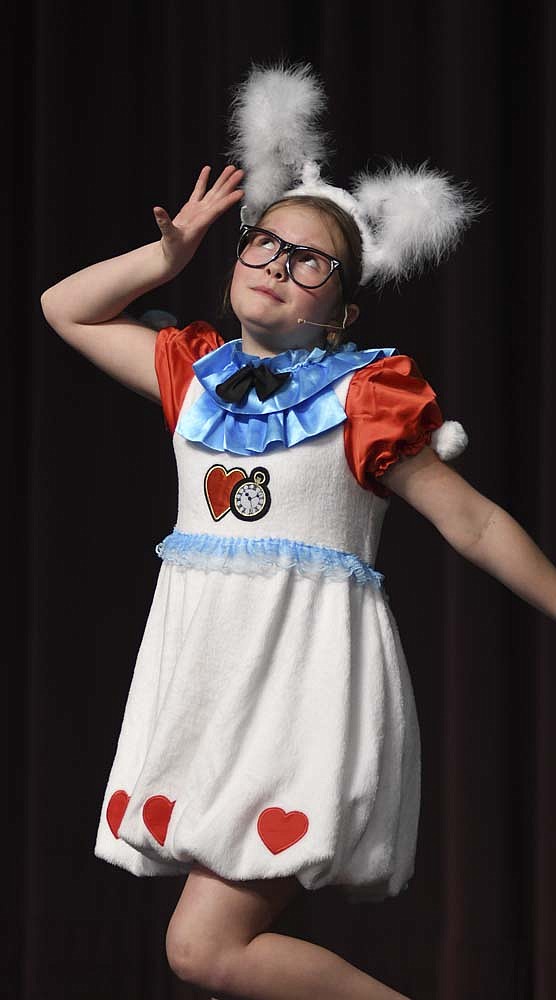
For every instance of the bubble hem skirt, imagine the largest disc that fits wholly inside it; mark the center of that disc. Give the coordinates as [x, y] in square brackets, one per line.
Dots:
[270, 729]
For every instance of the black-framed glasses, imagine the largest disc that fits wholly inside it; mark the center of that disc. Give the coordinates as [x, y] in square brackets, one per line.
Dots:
[306, 266]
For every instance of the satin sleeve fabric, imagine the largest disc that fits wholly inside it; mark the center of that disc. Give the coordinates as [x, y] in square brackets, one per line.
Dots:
[175, 352]
[391, 411]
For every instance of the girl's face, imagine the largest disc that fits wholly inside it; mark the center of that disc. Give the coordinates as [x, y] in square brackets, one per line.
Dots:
[269, 321]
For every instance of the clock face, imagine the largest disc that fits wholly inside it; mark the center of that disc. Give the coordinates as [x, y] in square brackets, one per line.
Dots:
[249, 500]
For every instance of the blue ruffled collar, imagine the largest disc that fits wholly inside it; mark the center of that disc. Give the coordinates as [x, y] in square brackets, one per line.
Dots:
[304, 406]
[286, 360]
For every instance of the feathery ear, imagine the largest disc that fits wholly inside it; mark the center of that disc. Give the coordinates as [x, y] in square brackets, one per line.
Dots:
[274, 128]
[415, 215]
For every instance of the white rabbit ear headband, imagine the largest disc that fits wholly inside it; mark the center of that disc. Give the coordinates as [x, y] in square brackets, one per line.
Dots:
[405, 217]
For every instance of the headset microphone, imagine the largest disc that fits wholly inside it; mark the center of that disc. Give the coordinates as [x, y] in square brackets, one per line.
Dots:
[329, 325]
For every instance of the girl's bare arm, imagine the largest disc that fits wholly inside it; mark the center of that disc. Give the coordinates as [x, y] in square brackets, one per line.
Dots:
[85, 308]
[476, 527]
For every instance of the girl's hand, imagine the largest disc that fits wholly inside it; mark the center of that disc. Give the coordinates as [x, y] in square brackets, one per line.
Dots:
[182, 235]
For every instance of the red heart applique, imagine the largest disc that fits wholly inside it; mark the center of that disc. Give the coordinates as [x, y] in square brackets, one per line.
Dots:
[219, 483]
[156, 816]
[116, 809]
[279, 829]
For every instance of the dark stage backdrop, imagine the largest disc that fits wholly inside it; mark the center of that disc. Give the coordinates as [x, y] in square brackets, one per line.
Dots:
[111, 109]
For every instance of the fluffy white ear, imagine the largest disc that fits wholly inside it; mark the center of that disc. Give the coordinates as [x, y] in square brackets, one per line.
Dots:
[274, 128]
[449, 440]
[415, 215]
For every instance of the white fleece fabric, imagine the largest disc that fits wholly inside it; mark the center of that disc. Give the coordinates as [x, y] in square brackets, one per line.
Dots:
[270, 727]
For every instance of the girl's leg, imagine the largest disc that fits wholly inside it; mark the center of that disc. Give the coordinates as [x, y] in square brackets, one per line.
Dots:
[217, 939]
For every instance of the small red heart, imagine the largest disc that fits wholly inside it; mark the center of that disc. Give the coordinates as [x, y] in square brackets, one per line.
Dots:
[156, 816]
[116, 809]
[279, 829]
[219, 483]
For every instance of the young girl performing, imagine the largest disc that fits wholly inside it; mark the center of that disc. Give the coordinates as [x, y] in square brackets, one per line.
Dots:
[270, 739]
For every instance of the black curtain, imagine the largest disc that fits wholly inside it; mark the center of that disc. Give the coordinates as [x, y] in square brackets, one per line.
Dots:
[109, 110]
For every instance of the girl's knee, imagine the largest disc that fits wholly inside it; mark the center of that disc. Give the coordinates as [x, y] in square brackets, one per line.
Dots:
[196, 963]
[214, 919]
[194, 949]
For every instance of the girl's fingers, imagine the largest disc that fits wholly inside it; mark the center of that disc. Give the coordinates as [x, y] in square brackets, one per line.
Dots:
[226, 177]
[227, 198]
[204, 210]
[201, 185]
[230, 186]
[163, 220]
[224, 203]
[229, 177]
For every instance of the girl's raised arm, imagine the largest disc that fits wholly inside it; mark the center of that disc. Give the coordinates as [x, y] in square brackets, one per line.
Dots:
[476, 527]
[85, 308]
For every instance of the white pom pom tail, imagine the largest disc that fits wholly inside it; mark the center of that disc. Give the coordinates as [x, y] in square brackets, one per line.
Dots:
[449, 440]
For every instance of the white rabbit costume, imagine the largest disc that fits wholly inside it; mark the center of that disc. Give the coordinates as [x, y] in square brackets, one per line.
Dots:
[270, 727]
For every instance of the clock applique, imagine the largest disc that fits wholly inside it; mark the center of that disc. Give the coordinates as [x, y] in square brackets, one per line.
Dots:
[246, 495]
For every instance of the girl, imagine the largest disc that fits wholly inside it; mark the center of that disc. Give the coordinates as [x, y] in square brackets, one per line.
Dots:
[270, 740]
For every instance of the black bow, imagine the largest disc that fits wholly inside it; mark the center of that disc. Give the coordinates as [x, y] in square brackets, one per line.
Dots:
[266, 382]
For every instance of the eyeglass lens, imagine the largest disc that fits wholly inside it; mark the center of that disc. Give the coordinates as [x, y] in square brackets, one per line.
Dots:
[308, 267]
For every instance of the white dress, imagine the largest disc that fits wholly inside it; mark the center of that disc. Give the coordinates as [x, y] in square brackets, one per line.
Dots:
[270, 727]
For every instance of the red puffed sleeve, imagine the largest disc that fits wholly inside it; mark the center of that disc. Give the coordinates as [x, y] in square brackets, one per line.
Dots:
[175, 352]
[391, 411]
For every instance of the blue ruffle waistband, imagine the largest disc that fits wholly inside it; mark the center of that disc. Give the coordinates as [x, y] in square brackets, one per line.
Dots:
[264, 556]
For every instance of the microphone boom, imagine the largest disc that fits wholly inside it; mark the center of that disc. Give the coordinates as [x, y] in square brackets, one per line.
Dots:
[329, 325]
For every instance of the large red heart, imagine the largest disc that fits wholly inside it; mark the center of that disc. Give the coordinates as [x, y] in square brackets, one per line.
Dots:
[219, 483]
[279, 829]
[156, 816]
[116, 809]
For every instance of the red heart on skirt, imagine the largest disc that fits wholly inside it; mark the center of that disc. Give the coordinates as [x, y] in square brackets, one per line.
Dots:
[218, 486]
[279, 829]
[156, 816]
[116, 809]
